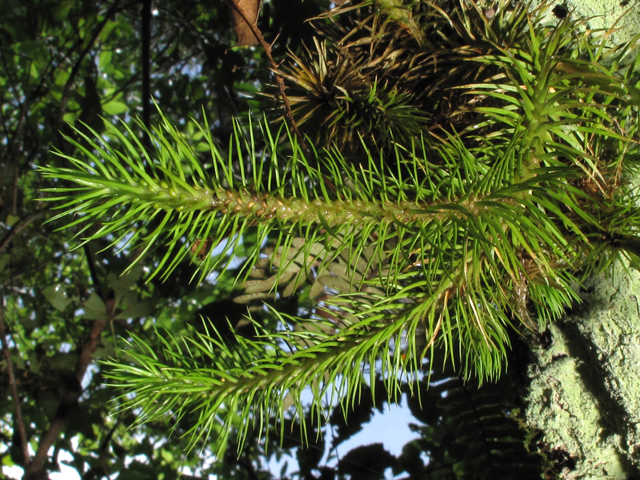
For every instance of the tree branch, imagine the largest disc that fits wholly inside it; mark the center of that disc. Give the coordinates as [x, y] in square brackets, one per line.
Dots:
[274, 67]
[14, 388]
[32, 472]
[92, 271]
[21, 225]
[102, 470]
[76, 67]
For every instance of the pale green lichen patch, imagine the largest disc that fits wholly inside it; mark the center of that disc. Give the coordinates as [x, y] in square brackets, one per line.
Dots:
[585, 389]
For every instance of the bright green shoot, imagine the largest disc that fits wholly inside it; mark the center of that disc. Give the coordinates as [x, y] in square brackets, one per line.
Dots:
[446, 241]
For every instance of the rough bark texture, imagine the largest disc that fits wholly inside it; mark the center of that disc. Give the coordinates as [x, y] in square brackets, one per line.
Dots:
[585, 388]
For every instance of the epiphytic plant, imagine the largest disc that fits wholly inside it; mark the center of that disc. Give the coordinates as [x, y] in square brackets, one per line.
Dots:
[406, 243]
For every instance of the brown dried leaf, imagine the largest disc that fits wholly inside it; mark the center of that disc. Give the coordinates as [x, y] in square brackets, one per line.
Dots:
[253, 296]
[336, 283]
[316, 290]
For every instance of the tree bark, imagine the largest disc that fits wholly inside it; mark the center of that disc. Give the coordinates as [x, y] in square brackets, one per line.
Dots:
[585, 388]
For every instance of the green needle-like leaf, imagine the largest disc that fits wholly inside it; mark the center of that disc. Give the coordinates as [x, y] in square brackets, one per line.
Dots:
[418, 240]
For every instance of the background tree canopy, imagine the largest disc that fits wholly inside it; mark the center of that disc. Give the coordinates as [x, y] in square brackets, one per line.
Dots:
[428, 195]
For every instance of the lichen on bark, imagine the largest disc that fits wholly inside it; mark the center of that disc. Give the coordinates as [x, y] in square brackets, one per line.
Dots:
[584, 392]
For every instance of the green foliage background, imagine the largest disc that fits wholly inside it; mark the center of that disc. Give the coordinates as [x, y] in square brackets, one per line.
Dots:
[68, 61]
[465, 167]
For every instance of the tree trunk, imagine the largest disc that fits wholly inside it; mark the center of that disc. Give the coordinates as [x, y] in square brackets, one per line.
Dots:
[585, 387]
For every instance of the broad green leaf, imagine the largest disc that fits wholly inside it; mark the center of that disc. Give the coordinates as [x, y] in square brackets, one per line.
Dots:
[94, 308]
[11, 220]
[70, 117]
[136, 310]
[57, 296]
[63, 361]
[115, 107]
[105, 59]
[122, 285]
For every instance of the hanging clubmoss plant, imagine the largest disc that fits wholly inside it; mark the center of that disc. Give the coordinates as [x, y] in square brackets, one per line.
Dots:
[471, 165]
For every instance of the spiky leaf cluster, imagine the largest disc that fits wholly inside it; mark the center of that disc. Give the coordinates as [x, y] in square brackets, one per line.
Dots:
[439, 242]
[386, 69]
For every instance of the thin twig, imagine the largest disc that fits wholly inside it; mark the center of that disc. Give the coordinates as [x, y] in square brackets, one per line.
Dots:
[14, 388]
[92, 271]
[76, 67]
[4, 243]
[274, 67]
[33, 470]
[103, 470]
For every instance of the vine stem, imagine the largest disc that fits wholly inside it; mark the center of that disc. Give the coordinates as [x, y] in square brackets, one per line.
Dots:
[274, 67]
